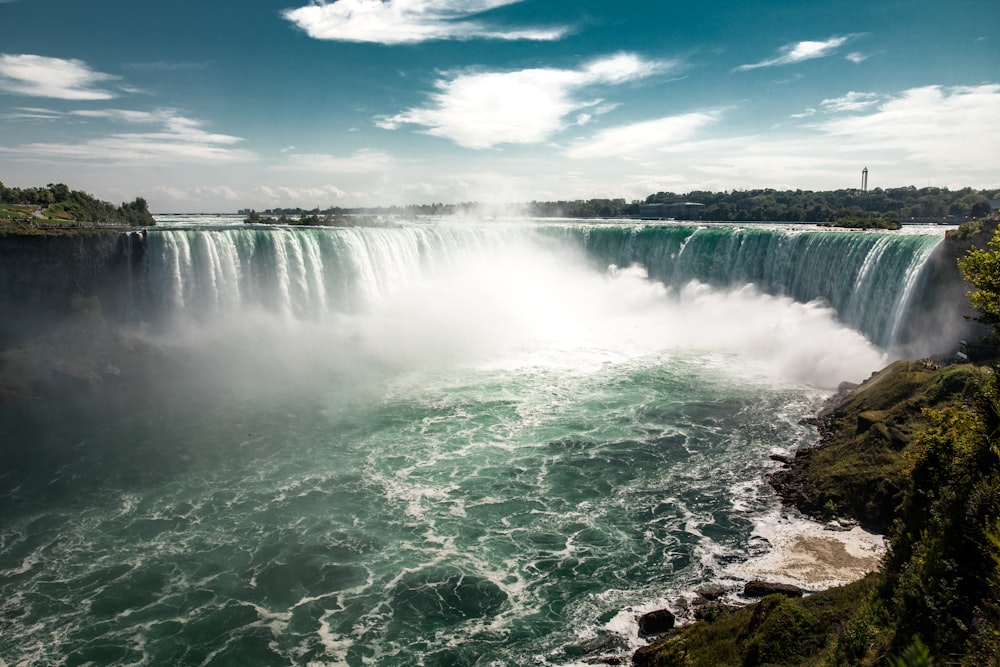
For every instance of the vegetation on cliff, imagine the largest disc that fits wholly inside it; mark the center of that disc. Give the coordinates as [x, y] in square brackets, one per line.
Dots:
[55, 207]
[869, 439]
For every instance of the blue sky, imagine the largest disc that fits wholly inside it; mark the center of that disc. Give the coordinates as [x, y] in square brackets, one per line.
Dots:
[215, 105]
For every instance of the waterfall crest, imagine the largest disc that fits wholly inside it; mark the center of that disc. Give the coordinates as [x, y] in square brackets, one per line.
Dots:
[868, 279]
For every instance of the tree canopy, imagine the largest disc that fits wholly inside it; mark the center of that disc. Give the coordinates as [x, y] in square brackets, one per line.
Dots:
[58, 201]
[981, 267]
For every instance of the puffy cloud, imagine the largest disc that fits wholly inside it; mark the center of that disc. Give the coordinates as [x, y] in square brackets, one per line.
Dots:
[640, 139]
[39, 76]
[174, 139]
[799, 52]
[408, 21]
[527, 106]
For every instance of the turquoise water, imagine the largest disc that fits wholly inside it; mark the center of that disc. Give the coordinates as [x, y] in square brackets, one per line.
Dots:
[467, 446]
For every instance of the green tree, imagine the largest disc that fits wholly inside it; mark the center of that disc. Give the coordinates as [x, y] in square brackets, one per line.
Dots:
[981, 267]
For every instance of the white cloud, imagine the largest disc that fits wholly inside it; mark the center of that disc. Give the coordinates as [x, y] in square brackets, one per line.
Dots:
[174, 139]
[799, 52]
[946, 136]
[408, 21]
[941, 127]
[640, 139]
[483, 110]
[39, 76]
[852, 101]
[856, 58]
[363, 161]
[299, 196]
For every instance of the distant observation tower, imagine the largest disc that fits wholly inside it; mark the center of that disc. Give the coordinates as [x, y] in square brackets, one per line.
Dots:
[864, 179]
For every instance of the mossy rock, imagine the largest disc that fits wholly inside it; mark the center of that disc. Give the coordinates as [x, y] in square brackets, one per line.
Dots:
[775, 631]
[866, 442]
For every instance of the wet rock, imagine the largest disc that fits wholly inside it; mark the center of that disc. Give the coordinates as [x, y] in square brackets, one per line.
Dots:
[759, 589]
[656, 622]
[711, 591]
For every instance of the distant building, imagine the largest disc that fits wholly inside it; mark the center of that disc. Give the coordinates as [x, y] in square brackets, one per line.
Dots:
[995, 206]
[244, 211]
[682, 210]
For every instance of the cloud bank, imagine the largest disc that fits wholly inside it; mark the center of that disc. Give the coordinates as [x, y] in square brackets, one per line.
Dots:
[409, 21]
[483, 110]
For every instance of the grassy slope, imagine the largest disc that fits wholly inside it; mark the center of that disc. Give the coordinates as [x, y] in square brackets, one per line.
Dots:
[867, 442]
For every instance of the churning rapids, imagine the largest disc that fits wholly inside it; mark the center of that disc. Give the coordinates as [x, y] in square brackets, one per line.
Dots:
[444, 443]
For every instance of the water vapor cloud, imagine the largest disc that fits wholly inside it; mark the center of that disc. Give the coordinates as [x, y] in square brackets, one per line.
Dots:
[409, 21]
[483, 110]
[800, 52]
[57, 78]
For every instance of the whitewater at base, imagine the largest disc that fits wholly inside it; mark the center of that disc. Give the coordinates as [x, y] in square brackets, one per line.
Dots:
[492, 452]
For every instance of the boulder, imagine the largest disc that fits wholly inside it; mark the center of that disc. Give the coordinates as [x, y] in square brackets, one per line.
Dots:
[711, 591]
[656, 622]
[759, 589]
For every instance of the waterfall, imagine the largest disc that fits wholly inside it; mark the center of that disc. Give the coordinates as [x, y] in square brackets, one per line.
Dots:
[867, 277]
[311, 273]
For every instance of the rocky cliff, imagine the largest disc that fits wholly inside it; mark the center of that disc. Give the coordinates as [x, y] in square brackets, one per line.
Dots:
[42, 275]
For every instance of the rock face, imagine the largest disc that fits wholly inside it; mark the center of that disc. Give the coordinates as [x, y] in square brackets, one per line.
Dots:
[40, 276]
[941, 316]
[656, 622]
[759, 589]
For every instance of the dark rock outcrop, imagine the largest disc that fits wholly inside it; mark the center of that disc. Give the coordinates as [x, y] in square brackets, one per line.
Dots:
[759, 589]
[941, 316]
[41, 275]
[656, 622]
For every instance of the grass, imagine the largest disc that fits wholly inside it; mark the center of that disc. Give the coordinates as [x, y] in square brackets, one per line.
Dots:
[867, 442]
[775, 631]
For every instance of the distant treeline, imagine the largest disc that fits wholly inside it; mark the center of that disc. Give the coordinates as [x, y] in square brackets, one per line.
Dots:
[735, 205]
[824, 206]
[785, 205]
[58, 202]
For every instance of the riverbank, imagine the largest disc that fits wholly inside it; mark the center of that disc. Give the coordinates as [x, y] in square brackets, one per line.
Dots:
[861, 470]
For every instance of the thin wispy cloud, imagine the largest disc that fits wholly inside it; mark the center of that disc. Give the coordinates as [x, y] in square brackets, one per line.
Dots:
[852, 101]
[57, 78]
[172, 139]
[32, 113]
[360, 162]
[483, 110]
[410, 21]
[800, 52]
[640, 139]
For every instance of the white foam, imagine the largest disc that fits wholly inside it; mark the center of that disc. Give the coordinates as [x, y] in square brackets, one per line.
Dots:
[810, 555]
